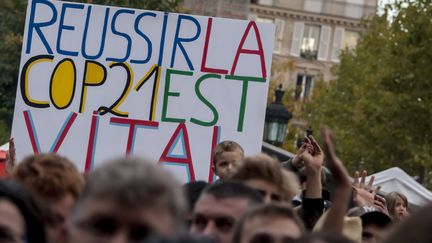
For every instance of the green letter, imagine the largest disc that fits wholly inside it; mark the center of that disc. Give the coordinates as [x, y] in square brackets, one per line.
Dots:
[244, 95]
[175, 94]
[206, 102]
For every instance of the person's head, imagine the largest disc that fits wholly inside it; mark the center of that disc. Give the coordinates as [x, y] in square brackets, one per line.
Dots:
[374, 223]
[219, 208]
[397, 205]
[265, 174]
[269, 223]
[20, 215]
[415, 228]
[127, 200]
[351, 227]
[226, 156]
[57, 183]
[192, 191]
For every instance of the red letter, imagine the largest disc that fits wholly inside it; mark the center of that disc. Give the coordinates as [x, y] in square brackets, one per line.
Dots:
[204, 57]
[186, 158]
[133, 124]
[60, 135]
[92, 142]
[259, 52]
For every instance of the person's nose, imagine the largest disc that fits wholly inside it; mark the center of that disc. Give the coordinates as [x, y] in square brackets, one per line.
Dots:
[119, 237]
[209, 230]
[267, 198]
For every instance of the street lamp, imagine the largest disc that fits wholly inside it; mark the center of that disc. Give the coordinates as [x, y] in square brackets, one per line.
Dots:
[276, 120]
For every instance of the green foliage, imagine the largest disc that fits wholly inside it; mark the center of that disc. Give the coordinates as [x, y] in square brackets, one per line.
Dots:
[12, 15]
[380, 106]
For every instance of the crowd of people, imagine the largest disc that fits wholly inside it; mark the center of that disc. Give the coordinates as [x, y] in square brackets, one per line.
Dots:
[256, 199]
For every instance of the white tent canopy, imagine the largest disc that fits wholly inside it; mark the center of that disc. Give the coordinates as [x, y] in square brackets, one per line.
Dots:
[395, 179]
[5, 147]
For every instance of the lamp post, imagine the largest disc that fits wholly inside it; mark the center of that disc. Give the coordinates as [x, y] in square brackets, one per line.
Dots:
[276, 120]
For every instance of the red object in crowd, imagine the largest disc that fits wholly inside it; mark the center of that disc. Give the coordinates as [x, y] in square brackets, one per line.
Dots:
[2, 163]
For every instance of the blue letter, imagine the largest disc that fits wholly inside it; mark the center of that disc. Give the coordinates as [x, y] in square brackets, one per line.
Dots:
[162, 42]
[62, 27]
[84, 43]
[37, 26]
[149, 44]
[124, 35]
[178, 41]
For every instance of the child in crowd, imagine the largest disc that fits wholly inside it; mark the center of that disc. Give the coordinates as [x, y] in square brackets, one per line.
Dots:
[227, 157]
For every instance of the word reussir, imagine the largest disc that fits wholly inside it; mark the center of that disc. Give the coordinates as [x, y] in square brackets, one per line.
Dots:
[102, 74]
[64, 79]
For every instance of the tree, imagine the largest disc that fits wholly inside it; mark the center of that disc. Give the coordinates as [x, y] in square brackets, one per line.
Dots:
[12, 14]
[380, 105]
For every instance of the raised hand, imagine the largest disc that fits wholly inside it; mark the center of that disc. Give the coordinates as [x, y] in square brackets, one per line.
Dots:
[342, 187]
[313, 156]
[380, 204]
[298, 157]
[339, 172]
[364, 194]
[10, 157]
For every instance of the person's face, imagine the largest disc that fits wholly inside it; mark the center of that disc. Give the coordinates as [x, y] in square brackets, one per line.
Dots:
[227, 163]
[60, 208]
[99, 220]
[400, 210]
[12, 224]
[269, 230]
[269, 191]
[215, 219]
[371, 233]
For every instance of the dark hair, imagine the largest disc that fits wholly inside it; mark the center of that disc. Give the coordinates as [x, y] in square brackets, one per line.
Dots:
[268, 210]
[230, 189]
[226, 146]
[178, 239]
[192, 191]
[29, 208]
[324, 237]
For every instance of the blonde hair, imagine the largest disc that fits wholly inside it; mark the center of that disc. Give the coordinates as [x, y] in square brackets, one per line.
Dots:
[263, 167]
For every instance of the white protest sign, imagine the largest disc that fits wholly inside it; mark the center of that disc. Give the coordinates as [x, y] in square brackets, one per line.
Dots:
[99, 82]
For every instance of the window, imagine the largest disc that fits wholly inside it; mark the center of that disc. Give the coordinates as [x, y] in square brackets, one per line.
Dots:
[313, 5]
[310, 41]
[304, 86]
[264, 20]
[265, 2]
[354, 8]
[350, 39]
[279, 29]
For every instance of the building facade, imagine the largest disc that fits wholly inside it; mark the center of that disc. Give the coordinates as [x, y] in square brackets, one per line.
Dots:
[309, 37]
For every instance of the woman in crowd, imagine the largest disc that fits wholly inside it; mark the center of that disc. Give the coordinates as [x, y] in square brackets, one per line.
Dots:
[397, 205]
